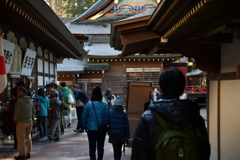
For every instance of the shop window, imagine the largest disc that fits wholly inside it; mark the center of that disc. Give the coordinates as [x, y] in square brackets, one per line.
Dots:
[46, 67]
[40, 65]
[89, 84]
[144, 74]
[51, 69]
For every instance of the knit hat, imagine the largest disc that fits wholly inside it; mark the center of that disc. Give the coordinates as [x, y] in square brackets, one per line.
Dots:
[118, 101]
[96, 94]
[76, 86]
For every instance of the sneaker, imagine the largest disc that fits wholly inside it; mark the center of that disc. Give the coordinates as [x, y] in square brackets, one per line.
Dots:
[57, 139]
[49, 140]
[81, 131]
[28, 156]
[13, 150]
[40, 139]
[76, 130]
[20, 157]
[45, 138]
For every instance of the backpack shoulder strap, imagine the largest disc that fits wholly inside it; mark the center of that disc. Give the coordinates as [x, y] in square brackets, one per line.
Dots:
[163, 123]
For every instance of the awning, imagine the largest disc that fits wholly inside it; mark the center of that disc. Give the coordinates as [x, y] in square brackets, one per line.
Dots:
[35, 21]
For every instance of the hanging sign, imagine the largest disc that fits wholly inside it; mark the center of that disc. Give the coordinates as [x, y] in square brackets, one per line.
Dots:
[28, 62]
[17, 60]
[8, 50]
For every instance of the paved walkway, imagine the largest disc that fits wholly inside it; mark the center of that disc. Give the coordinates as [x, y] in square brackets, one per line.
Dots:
[73, 146]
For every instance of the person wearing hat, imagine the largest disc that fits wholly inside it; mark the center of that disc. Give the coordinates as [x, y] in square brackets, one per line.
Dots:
[81, 100]
[23, 114]
[56, 117]
[21, 84]
[118, 127]
[94, 114]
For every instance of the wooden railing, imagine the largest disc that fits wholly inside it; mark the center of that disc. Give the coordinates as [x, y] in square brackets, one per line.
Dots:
[199, 89]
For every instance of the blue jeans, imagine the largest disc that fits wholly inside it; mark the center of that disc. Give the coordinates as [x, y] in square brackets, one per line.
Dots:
[79, 115]
[41, 122]
[96, 139]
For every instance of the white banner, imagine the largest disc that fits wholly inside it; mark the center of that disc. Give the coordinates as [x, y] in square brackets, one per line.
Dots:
[17, 61]
[28, 62]
[8, 50]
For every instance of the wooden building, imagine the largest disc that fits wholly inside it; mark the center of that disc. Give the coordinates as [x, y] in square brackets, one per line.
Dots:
[102, 66]
[34, 40]
[32, 27]
[208, 31]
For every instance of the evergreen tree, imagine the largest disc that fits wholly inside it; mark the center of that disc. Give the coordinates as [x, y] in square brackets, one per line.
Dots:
[74, 8]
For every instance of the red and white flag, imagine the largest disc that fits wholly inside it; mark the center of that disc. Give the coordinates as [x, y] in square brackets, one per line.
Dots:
[3, 75]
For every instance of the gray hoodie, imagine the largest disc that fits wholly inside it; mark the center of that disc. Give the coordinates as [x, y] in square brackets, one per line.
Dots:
[24, 110]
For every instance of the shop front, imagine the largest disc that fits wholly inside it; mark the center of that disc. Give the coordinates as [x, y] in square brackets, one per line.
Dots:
[33, 42]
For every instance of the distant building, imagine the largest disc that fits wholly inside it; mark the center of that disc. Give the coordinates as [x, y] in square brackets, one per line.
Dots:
[102, 66]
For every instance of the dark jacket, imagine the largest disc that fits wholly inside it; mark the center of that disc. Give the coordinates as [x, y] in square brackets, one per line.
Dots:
[177, 112]
[117, 122]
[82, 96]
[10, 112]
[55, 111]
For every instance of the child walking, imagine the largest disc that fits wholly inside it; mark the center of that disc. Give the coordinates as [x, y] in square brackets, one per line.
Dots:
[44, 104]
[118, 127]
[56, 117]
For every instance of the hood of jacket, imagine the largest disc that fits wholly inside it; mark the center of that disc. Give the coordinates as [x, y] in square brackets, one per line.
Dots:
[25, 98]
[175, 111]
[64, 89]
[42, 99]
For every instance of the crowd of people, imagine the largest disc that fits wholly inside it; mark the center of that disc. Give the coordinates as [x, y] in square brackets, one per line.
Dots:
[103, 113]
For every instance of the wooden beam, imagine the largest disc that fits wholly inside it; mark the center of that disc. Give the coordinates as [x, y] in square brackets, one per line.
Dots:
[218, 38]
[222, 76]
[132, 26]
[213, 27]
[138, 37]
[233, 26]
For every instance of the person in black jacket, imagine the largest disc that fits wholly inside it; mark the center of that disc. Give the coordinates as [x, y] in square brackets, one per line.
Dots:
[176, 112]
[118, 127]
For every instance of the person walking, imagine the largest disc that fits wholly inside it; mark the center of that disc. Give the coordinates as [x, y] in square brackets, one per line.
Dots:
[81, 100]
[181, 115]
[118, 127]
[68, 98]
[10, 112]
[44, 104]
[94, 114]
[56, 117]
[24, 112]
[109, 98]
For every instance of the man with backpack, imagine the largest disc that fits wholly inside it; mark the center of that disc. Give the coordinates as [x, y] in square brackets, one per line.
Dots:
[171, 128]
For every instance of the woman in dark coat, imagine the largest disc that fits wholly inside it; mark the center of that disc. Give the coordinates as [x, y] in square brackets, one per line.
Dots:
[118, 127]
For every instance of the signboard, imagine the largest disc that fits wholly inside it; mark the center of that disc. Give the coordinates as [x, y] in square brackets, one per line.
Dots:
[17, 60]
[8, 50]
[28, 62]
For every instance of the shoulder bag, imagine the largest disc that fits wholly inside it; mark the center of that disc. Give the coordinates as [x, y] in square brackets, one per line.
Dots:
[109, 103]
[101, 127]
